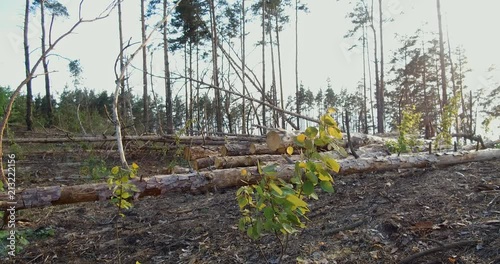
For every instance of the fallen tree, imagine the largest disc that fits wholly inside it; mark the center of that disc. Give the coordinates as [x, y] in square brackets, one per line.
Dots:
[194, 140]
[201, 182]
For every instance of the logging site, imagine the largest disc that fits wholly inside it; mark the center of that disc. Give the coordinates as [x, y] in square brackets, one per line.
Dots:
[236, 131]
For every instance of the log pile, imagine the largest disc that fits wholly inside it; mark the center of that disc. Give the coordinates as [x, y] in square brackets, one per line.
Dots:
[207, 181]
[218, 166]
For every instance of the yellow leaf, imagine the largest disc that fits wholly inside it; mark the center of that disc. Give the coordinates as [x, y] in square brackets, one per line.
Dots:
[296, 201]
[289, 150]
[302, 164]
[334, 132]
[135, 166]
[332, 164]
[115, 170]
[244, 172]
[276, 188]
[301, 138]
[331, 110]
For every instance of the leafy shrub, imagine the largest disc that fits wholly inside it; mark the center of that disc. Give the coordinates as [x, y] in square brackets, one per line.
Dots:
[278, 207]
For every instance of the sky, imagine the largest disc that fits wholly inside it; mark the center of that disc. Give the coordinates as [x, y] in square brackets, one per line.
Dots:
[323, 50]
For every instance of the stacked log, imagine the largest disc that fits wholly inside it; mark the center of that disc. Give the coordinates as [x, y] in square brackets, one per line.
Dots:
[201, 182]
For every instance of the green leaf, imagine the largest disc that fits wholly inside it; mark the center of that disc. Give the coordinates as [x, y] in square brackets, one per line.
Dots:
[308, 144]
[311, 132]
[242, 201]
[125, 195]
[326, 186]
[270, 170]
[268, 212]
[287, 229]
[320, 142]
[115, 170]
[275, 188]
[308, 188]
[311, 176]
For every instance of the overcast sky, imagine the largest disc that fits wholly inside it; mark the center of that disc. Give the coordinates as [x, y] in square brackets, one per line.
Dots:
[323, 50]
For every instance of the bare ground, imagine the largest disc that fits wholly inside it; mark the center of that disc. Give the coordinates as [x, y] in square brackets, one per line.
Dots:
[381, 217]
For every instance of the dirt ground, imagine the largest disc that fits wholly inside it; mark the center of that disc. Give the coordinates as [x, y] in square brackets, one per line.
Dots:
[381, 217]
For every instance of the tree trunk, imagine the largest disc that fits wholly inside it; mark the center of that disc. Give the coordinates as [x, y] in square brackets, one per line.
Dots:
[282, 99]
[49, 112]
[363, 107]
[208, 181]
[123, 102]
[251, 160]
[441, 57]
[203, 163]
[243, 66]
[197, 152]
[380, 112]
[273, 76]
[380, 94]
[215, 69]
[263, 43]
[166, 65]
[145, 98]
[29, 92]
[297, 103]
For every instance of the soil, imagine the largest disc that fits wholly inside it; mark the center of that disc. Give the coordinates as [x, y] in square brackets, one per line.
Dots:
[453, 214]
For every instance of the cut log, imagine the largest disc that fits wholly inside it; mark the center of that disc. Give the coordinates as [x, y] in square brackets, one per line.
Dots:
[235, 149]
[198, 152]
[279, 140]
[203, 163]
[200, 182]
[194, 140]
[250, 160]
[260, 149]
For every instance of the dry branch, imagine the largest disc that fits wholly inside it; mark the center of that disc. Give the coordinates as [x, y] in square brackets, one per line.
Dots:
[219, 179]
[437, 249]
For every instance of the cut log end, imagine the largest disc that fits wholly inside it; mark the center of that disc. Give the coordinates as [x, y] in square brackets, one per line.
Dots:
[278, 140]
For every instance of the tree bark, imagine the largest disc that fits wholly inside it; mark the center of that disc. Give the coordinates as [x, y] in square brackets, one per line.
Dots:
[203, 163]
[215, 69]
[263, 43]
[380, 95]
[208, 140]
[145, 98]
[197, 152]
[441, 57]
[202, 182]
[243, 66]
[297, 103]
[29, 92]
[168, 88]
[45, 65]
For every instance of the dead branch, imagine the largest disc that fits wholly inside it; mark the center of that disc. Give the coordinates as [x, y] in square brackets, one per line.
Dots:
[437, 249]
[251, 99]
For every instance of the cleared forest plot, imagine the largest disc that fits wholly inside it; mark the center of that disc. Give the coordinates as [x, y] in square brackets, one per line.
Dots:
[235, 131]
